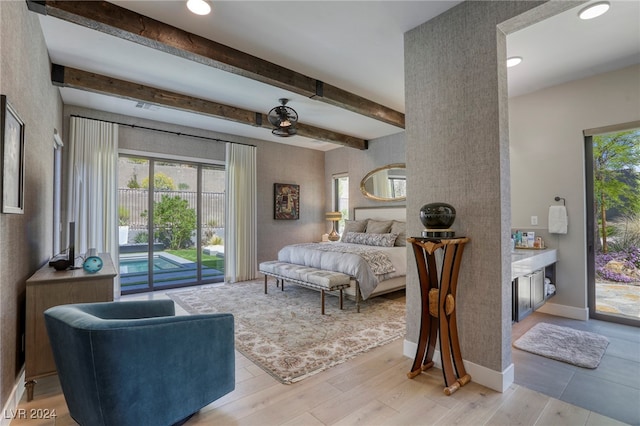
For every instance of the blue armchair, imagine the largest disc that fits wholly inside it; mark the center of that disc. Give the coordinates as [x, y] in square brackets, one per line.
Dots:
[136, 363]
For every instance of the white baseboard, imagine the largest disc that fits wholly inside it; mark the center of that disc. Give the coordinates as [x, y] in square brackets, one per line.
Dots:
[10, 409]
[572, 312]
[496, 380]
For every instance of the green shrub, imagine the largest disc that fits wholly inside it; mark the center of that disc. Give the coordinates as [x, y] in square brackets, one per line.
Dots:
[210, 238]
[141, 238]
[175, 222]
[123, 216]
[161, 182]
[625, 233]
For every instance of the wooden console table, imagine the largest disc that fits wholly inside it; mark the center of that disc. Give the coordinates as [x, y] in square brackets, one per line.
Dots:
[47, 288]
[438, 319]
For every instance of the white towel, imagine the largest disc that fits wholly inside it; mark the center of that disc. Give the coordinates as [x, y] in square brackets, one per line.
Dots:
[558, 220]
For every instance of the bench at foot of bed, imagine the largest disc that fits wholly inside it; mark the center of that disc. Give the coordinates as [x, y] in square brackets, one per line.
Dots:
[306, 276]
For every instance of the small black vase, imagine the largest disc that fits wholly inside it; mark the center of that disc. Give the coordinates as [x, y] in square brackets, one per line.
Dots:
[436, 216]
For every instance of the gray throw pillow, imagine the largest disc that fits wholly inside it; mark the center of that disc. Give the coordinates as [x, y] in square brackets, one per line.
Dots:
[400, 228]
[365, 238]
[354, 226]
[378, 226]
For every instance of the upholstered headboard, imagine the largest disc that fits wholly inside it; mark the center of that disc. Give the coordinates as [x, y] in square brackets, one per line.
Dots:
[380, 213]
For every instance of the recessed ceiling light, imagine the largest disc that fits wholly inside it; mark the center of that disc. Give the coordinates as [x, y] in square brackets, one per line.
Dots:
[199, 7]
[513, 61]
[594, 10]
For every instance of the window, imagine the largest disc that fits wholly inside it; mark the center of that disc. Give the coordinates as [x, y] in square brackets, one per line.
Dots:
[341, 197]
[398, 183]
[57, 192]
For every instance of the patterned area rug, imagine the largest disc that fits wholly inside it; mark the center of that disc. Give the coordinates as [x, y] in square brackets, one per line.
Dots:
[283, 331]
[581, 348]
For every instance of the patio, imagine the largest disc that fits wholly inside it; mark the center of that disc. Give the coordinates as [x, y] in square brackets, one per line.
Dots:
[618, 298]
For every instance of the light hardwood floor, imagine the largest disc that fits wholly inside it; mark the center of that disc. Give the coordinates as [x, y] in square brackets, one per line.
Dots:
[371, 389]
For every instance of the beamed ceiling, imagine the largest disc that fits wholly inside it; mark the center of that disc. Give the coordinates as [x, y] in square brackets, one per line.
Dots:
[340, 63]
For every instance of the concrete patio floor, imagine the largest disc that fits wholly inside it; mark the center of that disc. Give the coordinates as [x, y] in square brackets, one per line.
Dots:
[618, 298]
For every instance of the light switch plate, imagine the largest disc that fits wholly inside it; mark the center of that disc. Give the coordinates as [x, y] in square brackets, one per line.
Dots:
[534, 220]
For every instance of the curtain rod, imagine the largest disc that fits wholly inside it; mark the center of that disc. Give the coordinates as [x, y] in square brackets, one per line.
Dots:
[135, 126]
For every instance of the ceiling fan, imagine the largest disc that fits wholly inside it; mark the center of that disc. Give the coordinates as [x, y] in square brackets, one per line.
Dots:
[283, 119]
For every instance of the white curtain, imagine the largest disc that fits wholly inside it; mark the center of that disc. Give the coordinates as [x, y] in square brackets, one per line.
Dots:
[240, 245]
[381, 184]
[93, 182]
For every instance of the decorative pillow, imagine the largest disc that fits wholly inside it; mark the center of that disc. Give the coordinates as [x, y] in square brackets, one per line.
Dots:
[380, 240]
[378, 226]
[400, 228]
[354, 226]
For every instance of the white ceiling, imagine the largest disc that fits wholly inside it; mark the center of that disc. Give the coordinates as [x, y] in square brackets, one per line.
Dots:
[354, 45]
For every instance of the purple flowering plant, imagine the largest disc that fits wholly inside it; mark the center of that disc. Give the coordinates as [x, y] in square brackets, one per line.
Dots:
[630, 258]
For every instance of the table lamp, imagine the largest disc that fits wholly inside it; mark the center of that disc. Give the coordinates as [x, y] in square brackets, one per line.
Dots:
[333, 217]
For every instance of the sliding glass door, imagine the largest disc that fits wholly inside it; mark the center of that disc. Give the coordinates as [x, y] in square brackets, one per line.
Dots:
[613, 220]
[172, 217]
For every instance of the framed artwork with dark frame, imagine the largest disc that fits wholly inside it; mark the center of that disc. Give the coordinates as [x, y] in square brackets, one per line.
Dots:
[286, 201]
[12, 155]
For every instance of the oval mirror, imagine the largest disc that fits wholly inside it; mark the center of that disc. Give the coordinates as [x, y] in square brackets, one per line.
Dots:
[387, 183]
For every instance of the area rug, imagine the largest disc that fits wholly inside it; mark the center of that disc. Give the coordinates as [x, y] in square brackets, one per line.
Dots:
[581, 348]
[284, 332]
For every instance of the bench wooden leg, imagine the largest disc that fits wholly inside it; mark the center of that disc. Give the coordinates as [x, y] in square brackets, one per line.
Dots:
[341, 299]
[322, 301]
[357, 297]
[265, 284]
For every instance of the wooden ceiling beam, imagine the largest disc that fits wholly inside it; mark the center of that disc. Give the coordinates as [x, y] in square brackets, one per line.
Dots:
[123, 23]
[83, 80]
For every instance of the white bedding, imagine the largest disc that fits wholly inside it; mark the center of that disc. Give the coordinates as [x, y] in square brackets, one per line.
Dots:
[348, 263]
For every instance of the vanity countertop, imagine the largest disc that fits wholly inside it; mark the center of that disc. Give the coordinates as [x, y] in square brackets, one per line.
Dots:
[524, 262]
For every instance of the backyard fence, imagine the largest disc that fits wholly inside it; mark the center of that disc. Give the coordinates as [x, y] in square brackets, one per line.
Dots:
[135, 202]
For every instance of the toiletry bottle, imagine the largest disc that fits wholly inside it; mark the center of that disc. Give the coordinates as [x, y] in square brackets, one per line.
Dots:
[530, 240]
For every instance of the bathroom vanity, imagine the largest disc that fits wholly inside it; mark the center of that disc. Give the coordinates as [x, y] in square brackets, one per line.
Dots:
[529, 271]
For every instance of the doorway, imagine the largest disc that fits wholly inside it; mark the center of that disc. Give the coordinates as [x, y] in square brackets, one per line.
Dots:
[612, 165]
[171, 223]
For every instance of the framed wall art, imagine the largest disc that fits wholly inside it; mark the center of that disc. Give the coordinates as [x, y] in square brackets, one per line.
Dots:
[286, 201]
[12, 155]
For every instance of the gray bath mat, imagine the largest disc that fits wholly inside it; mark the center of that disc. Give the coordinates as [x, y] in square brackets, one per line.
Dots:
[581, 348]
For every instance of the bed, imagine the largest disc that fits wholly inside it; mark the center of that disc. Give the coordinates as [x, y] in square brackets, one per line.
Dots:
[369, 254]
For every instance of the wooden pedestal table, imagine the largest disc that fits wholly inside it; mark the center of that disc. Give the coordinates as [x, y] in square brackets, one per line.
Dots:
[438, 319]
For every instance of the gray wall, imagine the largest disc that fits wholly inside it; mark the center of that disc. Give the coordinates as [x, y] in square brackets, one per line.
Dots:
[277, 163]
[26, 239]
[547, 159]
[458, 152]
[357, 163]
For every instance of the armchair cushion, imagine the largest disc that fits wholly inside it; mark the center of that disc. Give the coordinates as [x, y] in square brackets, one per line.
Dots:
[136, 363]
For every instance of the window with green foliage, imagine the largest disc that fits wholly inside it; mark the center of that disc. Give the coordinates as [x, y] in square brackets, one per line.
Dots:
[341, 198]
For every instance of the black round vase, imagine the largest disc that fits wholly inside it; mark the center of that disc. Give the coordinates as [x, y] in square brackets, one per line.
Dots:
[437, 219]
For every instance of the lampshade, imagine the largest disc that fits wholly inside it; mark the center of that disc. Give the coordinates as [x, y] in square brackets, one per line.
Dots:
[333, 216]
